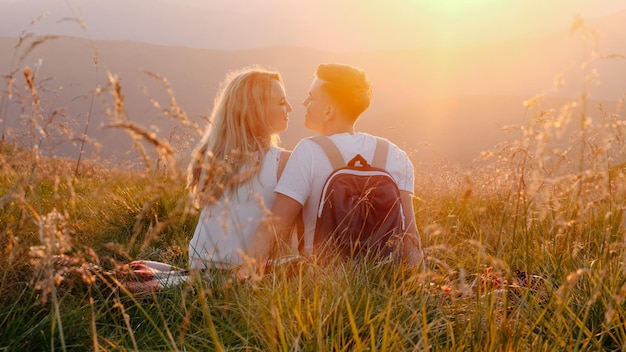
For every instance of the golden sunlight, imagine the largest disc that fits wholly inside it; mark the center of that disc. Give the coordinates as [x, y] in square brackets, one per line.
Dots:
[457, 7]
[416, 23]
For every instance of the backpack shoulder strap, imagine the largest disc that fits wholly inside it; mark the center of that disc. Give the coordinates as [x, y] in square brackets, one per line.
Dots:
[380, 153]
[331, 150]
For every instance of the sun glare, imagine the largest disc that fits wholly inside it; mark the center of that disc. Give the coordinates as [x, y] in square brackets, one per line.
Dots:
[448, 22]
[456, 8]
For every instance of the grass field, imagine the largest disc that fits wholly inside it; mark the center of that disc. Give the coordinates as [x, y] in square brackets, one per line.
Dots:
[525, 253]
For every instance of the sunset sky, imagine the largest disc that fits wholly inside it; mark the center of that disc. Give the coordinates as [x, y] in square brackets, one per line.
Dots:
[322, 24]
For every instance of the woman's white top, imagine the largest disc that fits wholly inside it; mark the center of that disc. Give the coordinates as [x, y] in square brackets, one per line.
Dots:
[226, 227]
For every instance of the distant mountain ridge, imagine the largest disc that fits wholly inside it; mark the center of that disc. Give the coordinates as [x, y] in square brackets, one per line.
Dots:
[421, 96]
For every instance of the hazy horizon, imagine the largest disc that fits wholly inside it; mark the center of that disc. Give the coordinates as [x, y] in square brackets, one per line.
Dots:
[324, 24]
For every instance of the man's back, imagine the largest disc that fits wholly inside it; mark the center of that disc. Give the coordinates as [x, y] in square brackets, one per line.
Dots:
[308, 168]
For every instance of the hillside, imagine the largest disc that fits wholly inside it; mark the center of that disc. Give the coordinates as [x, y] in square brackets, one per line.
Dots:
[421, 96]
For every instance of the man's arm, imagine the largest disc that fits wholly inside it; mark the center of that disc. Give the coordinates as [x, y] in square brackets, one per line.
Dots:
[412, 250]
[276, 232]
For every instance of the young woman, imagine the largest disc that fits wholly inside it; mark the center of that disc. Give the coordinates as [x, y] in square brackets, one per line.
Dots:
[236, 166]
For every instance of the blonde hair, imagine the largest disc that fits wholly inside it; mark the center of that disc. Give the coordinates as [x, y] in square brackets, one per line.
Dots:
[230, 152]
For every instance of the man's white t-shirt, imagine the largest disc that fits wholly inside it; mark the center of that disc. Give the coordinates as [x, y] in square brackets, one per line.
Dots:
[226, 227]
[308, 167]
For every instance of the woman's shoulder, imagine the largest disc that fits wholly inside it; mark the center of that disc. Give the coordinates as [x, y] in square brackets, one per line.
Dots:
[279, 152]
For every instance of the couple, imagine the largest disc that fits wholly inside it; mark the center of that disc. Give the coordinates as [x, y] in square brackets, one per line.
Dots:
[252, 193]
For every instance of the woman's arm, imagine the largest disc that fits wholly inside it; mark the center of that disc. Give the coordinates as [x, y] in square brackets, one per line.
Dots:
[275, 232]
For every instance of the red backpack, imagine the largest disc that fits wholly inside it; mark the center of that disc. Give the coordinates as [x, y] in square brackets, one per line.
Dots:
[360, 211]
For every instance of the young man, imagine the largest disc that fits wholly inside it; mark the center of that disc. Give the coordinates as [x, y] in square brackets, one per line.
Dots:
[337, 97]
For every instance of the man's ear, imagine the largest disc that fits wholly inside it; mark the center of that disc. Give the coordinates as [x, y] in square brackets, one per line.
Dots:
[329, 112]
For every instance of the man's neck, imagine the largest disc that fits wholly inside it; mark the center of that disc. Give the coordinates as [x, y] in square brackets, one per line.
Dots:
[338, 128]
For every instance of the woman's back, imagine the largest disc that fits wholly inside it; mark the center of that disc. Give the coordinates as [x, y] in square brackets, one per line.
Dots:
[225, 227]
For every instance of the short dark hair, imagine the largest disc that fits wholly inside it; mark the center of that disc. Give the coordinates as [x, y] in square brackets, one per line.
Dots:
[347, 86]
